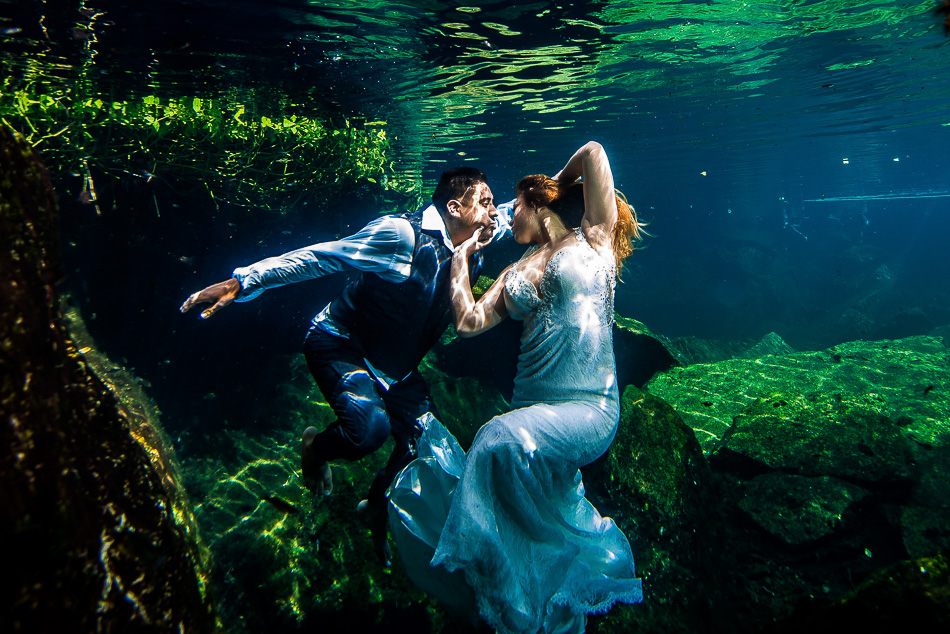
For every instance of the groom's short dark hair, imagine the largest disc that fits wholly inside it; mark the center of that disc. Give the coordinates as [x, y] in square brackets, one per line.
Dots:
[454, 183]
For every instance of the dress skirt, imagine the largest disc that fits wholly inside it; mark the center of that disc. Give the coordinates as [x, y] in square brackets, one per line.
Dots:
[505, 532]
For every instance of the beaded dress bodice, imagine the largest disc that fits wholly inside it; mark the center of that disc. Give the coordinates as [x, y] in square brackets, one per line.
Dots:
[504, 530]
[567, 342]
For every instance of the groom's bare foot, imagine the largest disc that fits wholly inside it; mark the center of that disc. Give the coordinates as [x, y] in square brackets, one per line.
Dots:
[375, 520]
[316, 473]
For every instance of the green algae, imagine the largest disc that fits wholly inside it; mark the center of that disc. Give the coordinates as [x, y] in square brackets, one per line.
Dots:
[798, 509]
[236, 151]
[283, 557]
[887, 377]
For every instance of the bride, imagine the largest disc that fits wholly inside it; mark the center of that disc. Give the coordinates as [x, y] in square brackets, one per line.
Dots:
[505, 532]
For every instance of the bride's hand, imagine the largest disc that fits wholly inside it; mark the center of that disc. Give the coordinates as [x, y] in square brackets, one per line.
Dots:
[477, 242]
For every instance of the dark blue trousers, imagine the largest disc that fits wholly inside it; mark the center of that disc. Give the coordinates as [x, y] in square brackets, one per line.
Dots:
[367, 414]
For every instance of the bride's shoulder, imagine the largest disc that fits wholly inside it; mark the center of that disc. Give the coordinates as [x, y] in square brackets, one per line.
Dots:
[600, 243]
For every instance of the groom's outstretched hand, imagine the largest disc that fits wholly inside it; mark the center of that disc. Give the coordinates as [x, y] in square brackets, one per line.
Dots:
[218, 295]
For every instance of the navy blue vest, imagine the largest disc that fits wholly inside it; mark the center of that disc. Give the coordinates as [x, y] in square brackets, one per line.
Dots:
[395, 324]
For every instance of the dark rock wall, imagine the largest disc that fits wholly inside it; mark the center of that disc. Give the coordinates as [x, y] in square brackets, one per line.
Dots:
[95, 541]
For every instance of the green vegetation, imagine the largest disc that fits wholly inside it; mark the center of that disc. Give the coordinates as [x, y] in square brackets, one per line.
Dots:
[220, 147]
[285, 559]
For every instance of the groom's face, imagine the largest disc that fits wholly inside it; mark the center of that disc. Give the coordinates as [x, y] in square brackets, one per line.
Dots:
[476, 209]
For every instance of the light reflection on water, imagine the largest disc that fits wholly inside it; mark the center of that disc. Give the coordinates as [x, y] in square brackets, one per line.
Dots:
[663, 74]
[718, 117]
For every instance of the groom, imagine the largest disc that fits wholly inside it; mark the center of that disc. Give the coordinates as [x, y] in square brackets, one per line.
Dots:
[363, 348]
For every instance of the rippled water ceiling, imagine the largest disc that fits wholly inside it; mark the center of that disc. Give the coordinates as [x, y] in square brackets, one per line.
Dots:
[708, 74]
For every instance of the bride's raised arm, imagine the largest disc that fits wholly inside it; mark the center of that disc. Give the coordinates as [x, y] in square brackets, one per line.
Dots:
[600, 200]
[474, 317]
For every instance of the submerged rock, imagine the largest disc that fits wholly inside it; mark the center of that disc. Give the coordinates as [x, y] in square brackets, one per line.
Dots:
[99, 534]
[904, 381]
[797, 509]
[771, 343]
[816, 439]
[915, 593]
[641, 353]
[662, 490]
[832, 466]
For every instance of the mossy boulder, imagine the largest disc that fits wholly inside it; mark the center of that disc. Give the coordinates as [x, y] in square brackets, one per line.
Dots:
[99, 534]
[905, 381]
[662, 490]
[798, 509]
[817, 439]
[831, 466]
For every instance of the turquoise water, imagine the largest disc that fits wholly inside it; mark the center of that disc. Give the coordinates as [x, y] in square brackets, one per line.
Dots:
[791, 157]
[751, 135]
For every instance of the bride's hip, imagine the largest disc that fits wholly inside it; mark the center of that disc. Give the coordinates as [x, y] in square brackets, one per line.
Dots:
[574, 431]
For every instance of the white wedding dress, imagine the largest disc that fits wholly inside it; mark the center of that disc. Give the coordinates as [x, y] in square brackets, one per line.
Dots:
[505, 531]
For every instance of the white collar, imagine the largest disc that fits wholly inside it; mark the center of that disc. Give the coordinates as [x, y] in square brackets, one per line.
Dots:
[432, 221]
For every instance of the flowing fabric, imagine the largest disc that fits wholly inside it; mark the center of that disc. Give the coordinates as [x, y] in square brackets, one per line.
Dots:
[505, 532]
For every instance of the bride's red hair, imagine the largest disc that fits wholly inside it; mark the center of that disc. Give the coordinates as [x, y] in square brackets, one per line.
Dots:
[539, 190]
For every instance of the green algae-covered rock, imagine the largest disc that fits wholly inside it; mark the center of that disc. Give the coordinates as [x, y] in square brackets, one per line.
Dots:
[797, 509]
[655, 457]
[708, 396]
[661, 352]
[771, 343]
[285, 559]
[99, 536]
[818, 439]
[832, 466]
[661, 484]
[904, 381]
[641, 353]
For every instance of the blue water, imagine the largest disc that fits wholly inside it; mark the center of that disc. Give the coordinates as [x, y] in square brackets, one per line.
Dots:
[791, 157]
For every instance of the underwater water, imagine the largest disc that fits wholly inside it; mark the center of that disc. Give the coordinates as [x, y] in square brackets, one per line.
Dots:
[791, 157]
